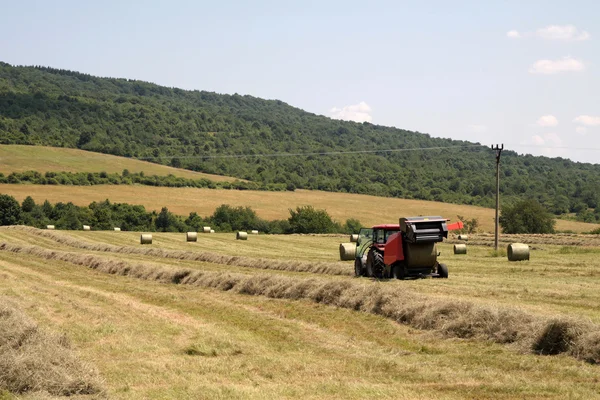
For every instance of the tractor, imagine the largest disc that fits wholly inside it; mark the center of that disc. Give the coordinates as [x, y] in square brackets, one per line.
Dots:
[406, 250]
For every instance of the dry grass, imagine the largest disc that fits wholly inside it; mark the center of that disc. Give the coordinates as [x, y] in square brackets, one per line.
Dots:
[35, 360]
[152, 340]
[268, 205]
[460, 319]
[247, 262]
[563, 239]
[17, 158]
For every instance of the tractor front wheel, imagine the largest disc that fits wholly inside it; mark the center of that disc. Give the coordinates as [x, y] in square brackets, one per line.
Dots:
[442, 270]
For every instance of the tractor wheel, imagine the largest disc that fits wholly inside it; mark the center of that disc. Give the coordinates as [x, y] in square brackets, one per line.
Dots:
[443, 270]
[375, 264]
[358, 268]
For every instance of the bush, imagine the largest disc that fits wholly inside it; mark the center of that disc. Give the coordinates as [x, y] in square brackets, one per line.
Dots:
[308, 220]
[229, 218]
[10, 210]
[526, 216]
[352, 225]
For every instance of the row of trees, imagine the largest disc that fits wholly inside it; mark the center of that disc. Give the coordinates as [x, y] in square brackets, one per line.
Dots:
[128, 178]
[106, 215]
[526, 216]
[208, 132]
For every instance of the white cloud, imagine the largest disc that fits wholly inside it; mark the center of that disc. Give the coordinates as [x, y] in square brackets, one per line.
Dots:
[360, 112]
[537, 140]
[474, 128]
[549, 67]
[582, 130]
[548, 144]
[513, 34]
[587, 120]
[547, 120]
[562, 32]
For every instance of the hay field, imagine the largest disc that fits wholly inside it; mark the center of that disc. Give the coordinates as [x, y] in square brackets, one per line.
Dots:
[370, 210]
[17, 158]
[157, 323]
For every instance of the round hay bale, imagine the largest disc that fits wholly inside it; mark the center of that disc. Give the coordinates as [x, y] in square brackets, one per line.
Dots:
[463, 237]
[87, 228]
[212, 231]
[191, 237]
[354, 238]
[146, 238]
[517, 252]
[420, 254]
[347, 251]
[117, 229]
[460, 249]
[254, 232]
[206, 229]
[241, 236]
[49, 226]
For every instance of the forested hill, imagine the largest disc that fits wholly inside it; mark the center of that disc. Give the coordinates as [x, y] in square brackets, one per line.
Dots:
[196, 129]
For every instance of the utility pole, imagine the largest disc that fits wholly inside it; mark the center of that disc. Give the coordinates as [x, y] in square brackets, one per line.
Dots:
[498, 150]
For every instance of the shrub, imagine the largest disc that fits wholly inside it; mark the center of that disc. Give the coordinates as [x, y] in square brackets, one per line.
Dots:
[308, 220]
[526, 216]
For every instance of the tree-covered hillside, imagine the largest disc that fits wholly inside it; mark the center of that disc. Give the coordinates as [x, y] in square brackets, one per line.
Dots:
[202, 130]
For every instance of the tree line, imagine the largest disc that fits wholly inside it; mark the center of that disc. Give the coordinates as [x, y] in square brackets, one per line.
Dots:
[130, 178]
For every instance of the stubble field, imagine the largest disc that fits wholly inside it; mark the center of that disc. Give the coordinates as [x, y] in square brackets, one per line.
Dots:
[280, 317]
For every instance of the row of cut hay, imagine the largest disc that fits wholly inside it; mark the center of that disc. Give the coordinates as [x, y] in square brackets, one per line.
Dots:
[461, 319]
[35, 360]
[238, 261]
[485, 239]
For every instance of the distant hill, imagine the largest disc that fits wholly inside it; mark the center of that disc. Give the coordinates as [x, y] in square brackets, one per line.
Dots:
[17, 158]
[202, 131]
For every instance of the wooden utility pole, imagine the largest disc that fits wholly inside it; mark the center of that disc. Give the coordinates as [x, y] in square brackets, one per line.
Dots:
[498, 153]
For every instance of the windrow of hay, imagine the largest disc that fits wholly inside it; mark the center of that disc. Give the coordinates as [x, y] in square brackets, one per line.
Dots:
[461, 319]
[560, 239]
[35, 360]
[239, 261]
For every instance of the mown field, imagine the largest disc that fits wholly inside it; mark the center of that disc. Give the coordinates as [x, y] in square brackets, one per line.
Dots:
[17, 158]
[369, 210]
[279, 317]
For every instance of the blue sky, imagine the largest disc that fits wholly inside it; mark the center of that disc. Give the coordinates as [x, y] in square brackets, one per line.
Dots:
[522, 73]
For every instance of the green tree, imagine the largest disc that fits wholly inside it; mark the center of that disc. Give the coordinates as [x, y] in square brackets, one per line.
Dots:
[10, 210]
[28, 204]
[194, 221]
[308, 220]
[166, 221]
[526, 216]
[352, 225]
